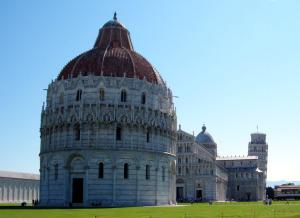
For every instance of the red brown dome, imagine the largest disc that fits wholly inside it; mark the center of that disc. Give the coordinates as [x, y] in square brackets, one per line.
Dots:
[112, 55]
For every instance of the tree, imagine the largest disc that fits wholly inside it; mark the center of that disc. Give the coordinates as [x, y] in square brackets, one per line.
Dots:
[270, 192]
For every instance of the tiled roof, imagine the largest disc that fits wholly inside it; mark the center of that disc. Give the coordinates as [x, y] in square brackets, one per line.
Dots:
[238, 158]
[112, 56]
[17, 175]
[289, 187]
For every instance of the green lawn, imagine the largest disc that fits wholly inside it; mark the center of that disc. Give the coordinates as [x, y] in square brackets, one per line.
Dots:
[226, 210]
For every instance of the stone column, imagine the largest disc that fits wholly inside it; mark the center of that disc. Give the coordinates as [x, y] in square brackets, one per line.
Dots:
[114, 169]
[137, 183]
[1, 192]
[67, 186]
[156, 182]
[86, 185]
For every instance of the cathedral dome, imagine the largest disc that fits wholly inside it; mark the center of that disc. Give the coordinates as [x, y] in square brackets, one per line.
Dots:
[112, 56]
[204, 137]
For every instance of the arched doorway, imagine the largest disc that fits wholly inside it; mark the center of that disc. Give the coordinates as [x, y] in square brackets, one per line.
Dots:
[180, 190]
[77, 180]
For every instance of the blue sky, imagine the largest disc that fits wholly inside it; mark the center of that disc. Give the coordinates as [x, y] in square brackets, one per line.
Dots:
[233, 64]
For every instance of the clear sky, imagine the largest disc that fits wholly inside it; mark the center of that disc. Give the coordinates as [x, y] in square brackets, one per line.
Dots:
[233, 64]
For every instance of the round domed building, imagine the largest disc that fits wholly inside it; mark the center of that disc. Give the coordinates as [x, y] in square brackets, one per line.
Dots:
[108, 130]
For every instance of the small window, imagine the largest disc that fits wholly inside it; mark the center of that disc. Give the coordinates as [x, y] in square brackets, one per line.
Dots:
[61, 98]
[187, 170]
[78, 95]
[101, 95]
[123, 96]
[179, 149]
[179, 160]
[186, 160]
[143, 98]
[148, 136]
[179, 170]
[237, 187]
[55, 171]
[119, 133]
[77, 132]
[126, 171]
[101, 171]
[147, 172]
[163, 174]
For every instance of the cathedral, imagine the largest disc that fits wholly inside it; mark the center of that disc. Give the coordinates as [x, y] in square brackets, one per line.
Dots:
[202, 175]
[109, 137]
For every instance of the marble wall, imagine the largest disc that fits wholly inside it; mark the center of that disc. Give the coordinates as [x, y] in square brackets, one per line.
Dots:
[13, 190]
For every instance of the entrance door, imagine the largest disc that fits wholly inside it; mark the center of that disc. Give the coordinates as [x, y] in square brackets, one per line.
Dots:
[248, 196]
[199, 195]
[77, 190]
[179, 193]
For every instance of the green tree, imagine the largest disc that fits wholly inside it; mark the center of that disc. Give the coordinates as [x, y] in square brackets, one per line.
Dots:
[270, 192]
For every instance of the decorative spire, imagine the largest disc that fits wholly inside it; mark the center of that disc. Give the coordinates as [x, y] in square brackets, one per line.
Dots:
[115, 16]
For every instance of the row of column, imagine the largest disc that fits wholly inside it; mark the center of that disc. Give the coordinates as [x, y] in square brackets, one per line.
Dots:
[18, 191]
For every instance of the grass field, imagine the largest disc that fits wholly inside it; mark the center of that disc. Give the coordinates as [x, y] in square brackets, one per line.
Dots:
[199, 210]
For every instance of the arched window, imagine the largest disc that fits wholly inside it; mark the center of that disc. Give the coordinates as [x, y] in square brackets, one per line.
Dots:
[101, 94]
[101, 171]
[55, 171]
[123, 96]
[119, 133]
[77, 132]
[126, 171]
[50, 137]
[163, 174]
[61, 98]
[147, 172]
[143, 98]
[179, 170]
[179, 160]
[78, 95]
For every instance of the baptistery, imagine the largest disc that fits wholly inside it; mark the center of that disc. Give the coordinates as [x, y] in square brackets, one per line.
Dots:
[108, 129]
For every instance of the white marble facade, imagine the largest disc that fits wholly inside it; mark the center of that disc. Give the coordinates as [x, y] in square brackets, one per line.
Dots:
[147, 138]
[108, 140]
[199, 178]
[202, 175]
[18, 187]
